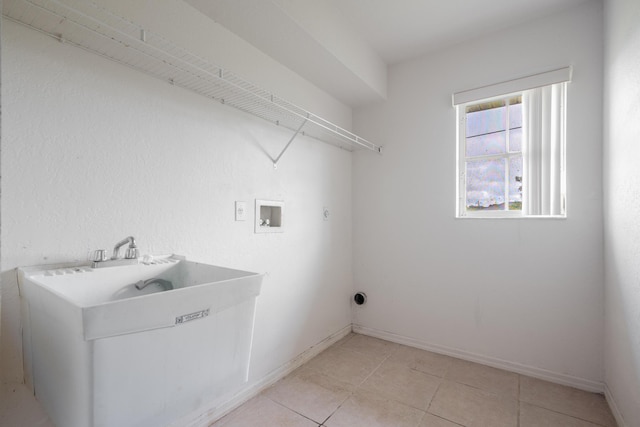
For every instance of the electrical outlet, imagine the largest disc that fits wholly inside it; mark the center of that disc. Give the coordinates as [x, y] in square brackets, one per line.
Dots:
[241, 211]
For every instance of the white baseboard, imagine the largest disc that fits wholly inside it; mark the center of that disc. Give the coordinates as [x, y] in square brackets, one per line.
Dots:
[614, 407]
[568, 380]
[207, 415]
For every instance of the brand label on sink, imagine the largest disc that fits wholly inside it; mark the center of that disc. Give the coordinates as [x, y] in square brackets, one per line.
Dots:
[192, 316]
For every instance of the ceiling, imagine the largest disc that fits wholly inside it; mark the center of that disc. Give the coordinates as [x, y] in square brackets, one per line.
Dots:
[399, 30]
[345, 46]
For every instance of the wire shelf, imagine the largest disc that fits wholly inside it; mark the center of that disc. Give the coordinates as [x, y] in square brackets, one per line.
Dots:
[97, 30]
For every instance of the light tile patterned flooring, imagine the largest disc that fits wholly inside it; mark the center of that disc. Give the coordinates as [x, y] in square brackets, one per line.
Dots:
[364, 381]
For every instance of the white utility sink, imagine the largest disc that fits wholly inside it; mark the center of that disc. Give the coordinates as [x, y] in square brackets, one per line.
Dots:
[100, 352]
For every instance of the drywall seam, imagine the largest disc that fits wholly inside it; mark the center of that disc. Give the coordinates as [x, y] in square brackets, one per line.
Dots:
[203, 417]
[532, 371]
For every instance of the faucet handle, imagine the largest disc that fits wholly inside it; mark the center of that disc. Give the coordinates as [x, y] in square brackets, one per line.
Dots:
[131, 253]
[99, 255]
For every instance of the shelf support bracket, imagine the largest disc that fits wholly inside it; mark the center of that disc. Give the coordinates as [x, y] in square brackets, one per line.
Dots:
[277, 159]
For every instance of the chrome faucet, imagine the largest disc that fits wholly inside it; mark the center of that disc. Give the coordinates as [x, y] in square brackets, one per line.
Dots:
[99, 257]
[131, 252]
[141, 284]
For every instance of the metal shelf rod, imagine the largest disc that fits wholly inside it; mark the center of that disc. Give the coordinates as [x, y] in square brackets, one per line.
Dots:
[275, 162]
[128, 44]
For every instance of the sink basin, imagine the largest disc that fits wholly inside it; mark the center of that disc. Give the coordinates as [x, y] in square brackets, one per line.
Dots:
[132, 290]
[94, 343]
[110, 293]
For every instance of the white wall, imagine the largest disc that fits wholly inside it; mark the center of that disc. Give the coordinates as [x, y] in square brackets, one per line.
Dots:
[93, 152]
[622, 224]
[523, 294]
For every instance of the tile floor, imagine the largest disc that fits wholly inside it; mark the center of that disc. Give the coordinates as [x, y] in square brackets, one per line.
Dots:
[364, 381]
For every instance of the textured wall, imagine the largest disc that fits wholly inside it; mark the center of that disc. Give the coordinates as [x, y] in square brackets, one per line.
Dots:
[621, 202]
[524, 294]
[94, 152]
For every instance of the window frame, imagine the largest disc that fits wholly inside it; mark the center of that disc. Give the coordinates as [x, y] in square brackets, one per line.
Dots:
[462, 158]
[508, 88]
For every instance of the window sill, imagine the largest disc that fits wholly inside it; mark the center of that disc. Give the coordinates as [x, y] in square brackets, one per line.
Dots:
[466, 217]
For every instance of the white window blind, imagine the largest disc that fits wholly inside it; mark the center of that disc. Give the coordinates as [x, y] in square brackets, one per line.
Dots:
[543, 150]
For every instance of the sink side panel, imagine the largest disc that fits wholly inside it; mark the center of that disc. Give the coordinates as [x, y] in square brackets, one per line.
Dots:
[60, 358]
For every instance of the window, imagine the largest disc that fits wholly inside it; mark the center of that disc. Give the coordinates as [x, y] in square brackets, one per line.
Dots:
[511, 149]
[493, 155]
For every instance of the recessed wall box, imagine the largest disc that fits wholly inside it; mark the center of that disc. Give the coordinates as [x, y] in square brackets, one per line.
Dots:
[269, 216]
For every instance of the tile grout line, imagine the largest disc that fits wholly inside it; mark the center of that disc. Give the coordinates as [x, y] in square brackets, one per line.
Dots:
[364, 353]
[565, 414]
[373, 371]
[294, 411]
[351, 393]
[434, 396]
[442, 379]
[357, 386]
[446, 419]
[299, 413]
[339, 406]
[475, 387]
